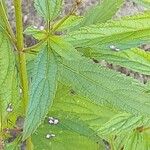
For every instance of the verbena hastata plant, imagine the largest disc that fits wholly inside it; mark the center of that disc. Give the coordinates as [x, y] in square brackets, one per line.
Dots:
[67, 101]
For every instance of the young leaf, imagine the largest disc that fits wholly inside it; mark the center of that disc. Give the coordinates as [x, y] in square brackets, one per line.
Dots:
[102, 12]
[69, 23]
[135, 59]
[125, 33]
[105, 86]
[49, 9]
[36, 33]
[64, 48]
[42, 92]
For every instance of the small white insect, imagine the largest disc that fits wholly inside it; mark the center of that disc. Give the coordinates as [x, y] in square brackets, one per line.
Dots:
[53, 135]
[53, 121]
[56, 121]
[117, 49]
[113, 47]
[9, 108]
[48, 136]
[50, 118]
[20, 90]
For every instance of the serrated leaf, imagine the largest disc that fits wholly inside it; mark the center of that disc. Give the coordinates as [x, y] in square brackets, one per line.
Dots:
[69, 23]
[122, 123]
[105, 86]
[42, 92]
[35, 32]
[135, 59]
[64, 48]
[2, 9]
[125, 33]
[9, 92]
[5, 57]
[102, 12]
[49, 9]
[137, 141]
[68, 121]
[69, 102]
[133, 140]
[64, 139]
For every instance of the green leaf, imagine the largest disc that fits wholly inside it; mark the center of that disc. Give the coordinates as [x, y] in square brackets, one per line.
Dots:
[42, 92]
[35, 32]
[105, 86]
[134, 140]
[125, 33]
[13, 145]
[145, 3]
[69, 23]
[135, 59]
[49, 9]
[65, 109]
[2, 9]
[122, 123]
[102, 12]
[64, 139]
[64, 48]
[5, 57]
[137, 141]
[9, 91]
[67, 101]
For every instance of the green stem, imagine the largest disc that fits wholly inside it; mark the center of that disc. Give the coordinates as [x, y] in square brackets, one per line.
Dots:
[21, 55]
[22, 60]
[64, 19]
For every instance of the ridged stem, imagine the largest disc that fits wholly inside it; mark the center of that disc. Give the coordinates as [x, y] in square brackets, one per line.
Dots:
[22, 60]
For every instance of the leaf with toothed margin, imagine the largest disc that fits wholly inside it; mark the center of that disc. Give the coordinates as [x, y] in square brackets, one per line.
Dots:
[35, 32]
[124, 33]
[64, 49]
[105, 86]
[102, 12]
[122, 123]
[67, 135]
[135, 59]
[9, 91]
[49, 9]
[69, 23]
[42, 90]
[135, 140]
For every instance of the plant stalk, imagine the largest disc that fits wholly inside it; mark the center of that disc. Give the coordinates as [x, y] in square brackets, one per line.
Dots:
[22, 60]
[21, 55]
